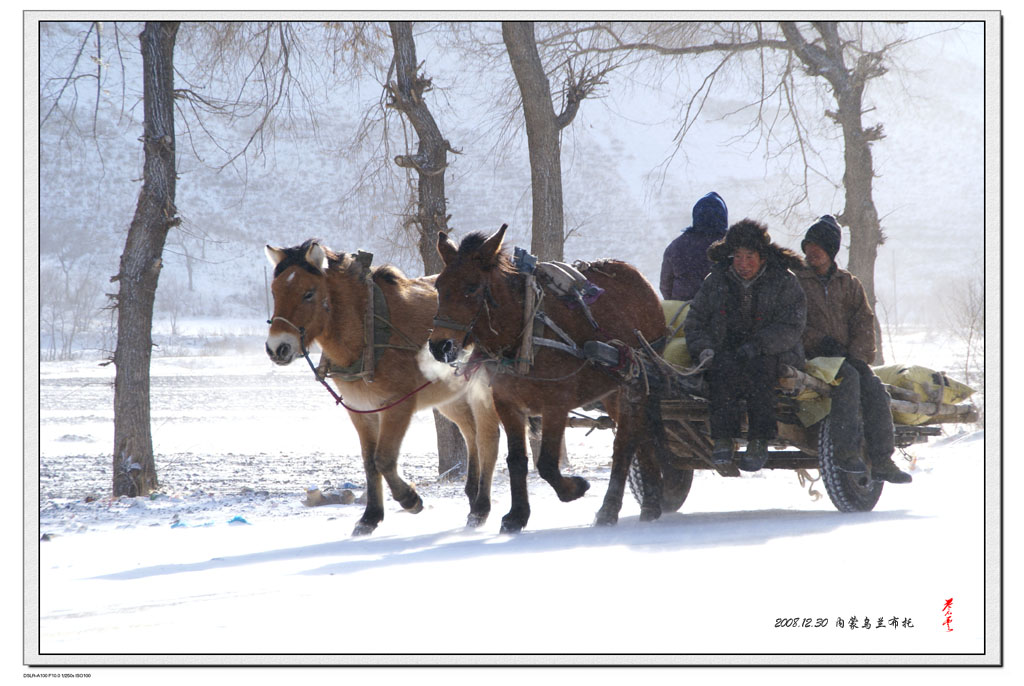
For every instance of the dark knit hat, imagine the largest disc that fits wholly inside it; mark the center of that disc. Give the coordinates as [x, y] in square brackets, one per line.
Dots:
[710, 214]
[825, 233]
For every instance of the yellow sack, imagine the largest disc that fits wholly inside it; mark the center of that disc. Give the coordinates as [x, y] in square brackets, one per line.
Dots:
[812, 408]
[676, 352]
[927, 384]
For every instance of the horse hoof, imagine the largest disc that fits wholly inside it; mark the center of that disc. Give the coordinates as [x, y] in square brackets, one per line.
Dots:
[413, 503]
[579, 487]
[606, 518]
[511, 525]
[475, 520]
[649, 514]
[363, 528]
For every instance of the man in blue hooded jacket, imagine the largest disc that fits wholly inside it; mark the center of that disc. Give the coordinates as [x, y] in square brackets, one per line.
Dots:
[685, 263]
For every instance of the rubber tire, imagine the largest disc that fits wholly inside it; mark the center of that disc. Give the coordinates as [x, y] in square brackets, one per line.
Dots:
[844, 489]
[675, 485]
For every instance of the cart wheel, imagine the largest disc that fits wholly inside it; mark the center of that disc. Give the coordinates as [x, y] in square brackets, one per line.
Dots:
[848, 492]
[675, 484]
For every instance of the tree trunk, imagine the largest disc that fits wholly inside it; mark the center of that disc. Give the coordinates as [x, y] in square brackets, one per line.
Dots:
[848, 86]
[542, 134]
[430, 161]
[860, 213]
[134, 470]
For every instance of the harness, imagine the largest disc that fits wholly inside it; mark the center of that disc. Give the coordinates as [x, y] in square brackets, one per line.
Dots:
[567, 283]
[379, 321]
[377, 328]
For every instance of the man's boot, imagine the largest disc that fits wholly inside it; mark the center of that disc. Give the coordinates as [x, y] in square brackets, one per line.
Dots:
[850, 458]
[722, 452]
[884, 469]
[755, 455]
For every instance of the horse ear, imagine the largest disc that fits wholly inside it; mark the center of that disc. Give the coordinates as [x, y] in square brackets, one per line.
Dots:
[489, 248]
[275, 255]
[446, 248]
[316, 256]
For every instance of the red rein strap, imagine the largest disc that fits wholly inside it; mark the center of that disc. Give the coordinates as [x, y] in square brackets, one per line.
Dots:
[338, 400]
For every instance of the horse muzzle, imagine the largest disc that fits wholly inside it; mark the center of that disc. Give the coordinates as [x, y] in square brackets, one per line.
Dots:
[444, 351]
[282, 349]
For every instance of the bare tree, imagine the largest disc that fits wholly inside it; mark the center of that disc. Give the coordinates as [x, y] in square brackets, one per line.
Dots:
[543, 131]
[406, 96]
[261, 63]
[826, 57]
[965, 312]
[134, 469]
[847, 56]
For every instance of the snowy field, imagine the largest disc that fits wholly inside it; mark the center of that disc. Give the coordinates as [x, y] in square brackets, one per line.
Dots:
[228, 565]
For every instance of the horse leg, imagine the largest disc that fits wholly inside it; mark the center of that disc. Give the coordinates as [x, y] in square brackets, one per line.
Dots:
[367, 426]
[635, 432]
[648, 451]
[393, 425]
[552, 433]
[650, 507]
[487, 438]
[515, 431]
[461, 413]
[624, 446]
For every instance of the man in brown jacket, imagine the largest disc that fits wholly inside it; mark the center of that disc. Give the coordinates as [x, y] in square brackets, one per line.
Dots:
[840, 323]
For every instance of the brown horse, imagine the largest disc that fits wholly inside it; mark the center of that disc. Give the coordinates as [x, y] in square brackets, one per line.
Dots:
[481, 303]
[321, 296]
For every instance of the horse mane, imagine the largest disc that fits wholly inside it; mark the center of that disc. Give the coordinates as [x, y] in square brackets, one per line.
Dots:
[471, 244]
[388, 273]
[296, 257]
[342, 262]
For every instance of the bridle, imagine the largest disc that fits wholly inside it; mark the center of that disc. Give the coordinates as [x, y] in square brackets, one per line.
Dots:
[338, 400]
[487, 302]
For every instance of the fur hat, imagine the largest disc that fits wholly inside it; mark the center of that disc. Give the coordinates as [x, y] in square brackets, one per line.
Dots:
[825, 233]
[752, 235]
[748, 234]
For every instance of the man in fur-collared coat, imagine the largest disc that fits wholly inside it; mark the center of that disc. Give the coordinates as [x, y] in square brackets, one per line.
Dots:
[840, 323]
[747, 319]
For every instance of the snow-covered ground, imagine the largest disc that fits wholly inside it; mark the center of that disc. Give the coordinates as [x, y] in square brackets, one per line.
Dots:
[227, 564]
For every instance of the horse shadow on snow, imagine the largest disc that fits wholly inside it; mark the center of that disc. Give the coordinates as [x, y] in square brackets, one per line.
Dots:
[672, 533]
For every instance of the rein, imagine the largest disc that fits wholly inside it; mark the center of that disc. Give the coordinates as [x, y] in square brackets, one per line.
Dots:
[338, 400]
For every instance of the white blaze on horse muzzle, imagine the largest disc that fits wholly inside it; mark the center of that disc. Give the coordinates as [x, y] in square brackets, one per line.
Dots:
[282, 348]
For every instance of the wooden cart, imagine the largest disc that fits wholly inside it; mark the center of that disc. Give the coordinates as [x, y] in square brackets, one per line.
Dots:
[686, 411]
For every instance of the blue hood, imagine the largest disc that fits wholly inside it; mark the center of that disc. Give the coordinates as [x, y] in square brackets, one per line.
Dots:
[710, 215]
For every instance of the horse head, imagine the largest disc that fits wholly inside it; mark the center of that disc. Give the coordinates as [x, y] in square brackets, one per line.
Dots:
[301, 299]
[466, 290]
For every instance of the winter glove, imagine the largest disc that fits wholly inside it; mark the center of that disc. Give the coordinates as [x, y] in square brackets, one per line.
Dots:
[748, 351]
[830, 347]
